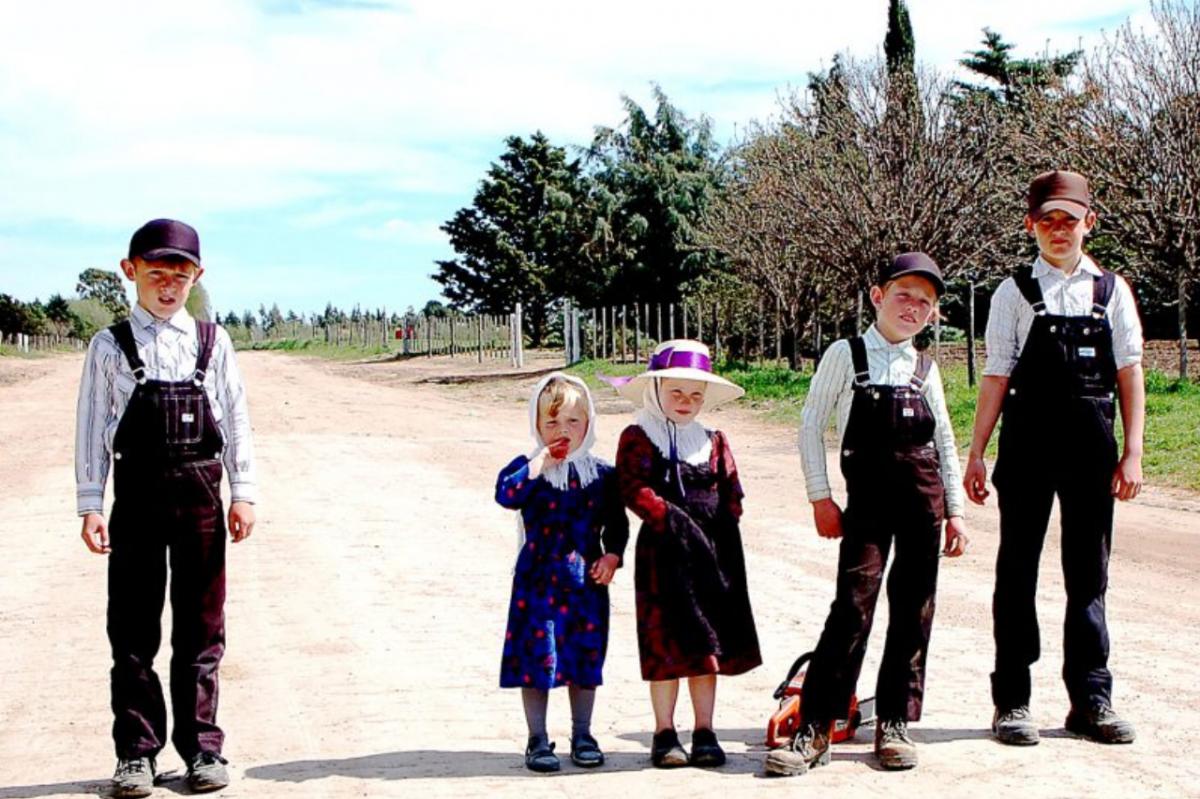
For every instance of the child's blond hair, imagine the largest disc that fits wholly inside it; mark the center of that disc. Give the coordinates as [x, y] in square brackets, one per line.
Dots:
[558, 393]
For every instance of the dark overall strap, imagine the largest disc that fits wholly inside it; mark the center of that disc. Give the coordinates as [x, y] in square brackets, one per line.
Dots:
[1030, 289]
[924, 362]
[206, 333]
[1102, 291]
[858, 356]
[122, 332]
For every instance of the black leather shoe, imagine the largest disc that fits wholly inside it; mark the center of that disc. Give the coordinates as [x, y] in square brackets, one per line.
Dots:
[585, 752]
[666, 751]
[539, 755]
[706, 752]
[1100, 724]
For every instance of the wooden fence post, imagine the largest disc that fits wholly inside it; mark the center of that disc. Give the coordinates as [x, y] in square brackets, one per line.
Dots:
[637, 332]
[716, 330]
[761, 339]
[624, 333]
[671, 320]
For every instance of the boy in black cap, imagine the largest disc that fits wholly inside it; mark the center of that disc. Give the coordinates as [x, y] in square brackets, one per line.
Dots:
[1063, 340]
[162, 400]
[902, 482]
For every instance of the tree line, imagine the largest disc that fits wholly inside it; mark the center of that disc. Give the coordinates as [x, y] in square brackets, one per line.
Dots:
[869, 158]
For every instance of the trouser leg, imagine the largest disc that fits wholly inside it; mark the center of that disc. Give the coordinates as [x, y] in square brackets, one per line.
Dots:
[198, 633]
[912, 586]
[137, 579]
[833, 673]
[1024, 514]
[1087, 519]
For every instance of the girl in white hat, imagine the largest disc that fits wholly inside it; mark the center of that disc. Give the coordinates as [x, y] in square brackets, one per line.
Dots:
[693, 612]
[573, 532]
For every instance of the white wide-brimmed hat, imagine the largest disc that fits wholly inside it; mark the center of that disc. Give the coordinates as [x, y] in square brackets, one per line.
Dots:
[682, 359]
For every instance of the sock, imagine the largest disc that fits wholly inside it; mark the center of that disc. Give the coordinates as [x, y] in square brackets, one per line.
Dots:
[582, 702]
[535, 701]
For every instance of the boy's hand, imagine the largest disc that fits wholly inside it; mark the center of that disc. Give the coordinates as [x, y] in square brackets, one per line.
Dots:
[975, 479]
[95, 533]
[828, 517]
[241, 520]
[956, 537]
[1127, 478]
[602, 571]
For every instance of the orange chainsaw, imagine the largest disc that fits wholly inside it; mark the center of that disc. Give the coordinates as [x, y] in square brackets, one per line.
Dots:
[786, 720]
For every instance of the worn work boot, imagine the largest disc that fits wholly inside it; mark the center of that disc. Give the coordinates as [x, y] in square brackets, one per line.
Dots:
[134, 777]
[1015, 726]
[206, 772]
[808, 749]
[1100, 724]
[895, 750]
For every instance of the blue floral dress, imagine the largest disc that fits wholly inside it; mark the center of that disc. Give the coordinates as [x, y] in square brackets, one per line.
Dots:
[557, 632]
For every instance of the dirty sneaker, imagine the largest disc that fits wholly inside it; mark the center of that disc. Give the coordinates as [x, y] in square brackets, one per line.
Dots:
[1015, 726]
[895, 750]
[134, 777]
[1101, 724]
[206, 772]
[808, 749]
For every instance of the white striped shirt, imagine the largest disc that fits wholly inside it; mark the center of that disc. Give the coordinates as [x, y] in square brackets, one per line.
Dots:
[1011, 315]
[832, 389]
[169, 350]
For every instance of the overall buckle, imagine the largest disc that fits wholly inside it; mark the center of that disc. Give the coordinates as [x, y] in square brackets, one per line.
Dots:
[139, 374]
[198, 377]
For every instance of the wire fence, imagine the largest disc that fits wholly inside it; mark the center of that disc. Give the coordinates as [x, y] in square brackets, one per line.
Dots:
[26, 343]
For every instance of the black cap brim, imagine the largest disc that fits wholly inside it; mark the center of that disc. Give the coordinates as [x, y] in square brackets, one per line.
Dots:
[168, 252]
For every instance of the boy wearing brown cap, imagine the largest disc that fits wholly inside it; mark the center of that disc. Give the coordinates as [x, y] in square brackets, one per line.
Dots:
[902, 481]
[1063, 341]
[162, 401]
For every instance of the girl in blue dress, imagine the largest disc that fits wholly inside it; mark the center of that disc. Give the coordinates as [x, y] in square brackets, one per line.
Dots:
[572, 534]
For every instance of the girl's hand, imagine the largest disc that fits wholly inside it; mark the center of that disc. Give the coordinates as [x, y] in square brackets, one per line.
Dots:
[956, 537]
[602, 570]
[559, 448]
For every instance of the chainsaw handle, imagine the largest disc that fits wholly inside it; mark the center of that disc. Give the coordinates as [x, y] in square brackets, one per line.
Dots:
[792, 672]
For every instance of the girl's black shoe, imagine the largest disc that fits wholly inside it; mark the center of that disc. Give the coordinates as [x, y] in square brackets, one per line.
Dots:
[539, 755]
[706, 752]
[666, 751]
[585, 752]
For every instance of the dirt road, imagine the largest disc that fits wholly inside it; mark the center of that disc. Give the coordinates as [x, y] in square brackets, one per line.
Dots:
[365, 614]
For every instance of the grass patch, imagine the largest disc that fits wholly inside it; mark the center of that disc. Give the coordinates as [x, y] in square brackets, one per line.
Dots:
[317, 348]
[1172, 456]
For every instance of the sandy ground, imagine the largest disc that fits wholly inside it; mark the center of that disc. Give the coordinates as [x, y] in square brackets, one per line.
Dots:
[365, 615]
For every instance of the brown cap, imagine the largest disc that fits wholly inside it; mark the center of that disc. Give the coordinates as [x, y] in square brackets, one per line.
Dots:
[913, 263]
[1059, 190]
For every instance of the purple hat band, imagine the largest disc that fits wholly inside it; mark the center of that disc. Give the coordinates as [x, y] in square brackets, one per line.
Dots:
[676, 359]
[667, 359]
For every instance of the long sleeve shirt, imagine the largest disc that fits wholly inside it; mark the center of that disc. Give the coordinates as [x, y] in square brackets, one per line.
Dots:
[831, 391]
[1011, 316]
[169, 350]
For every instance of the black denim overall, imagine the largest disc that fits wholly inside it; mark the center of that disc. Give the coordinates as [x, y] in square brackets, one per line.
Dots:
[167, 509]
[1056, 438]
[895, 491]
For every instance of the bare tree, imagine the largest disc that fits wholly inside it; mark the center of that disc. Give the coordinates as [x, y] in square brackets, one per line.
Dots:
[1136, 133]
[851, 175]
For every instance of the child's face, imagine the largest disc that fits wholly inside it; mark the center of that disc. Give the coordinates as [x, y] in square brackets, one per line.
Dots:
[570, 423]
[681, 399]
[903, 307]
[1060, 235]
[162, 286]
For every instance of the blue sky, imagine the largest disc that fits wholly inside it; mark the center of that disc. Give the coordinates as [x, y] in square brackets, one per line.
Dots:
[318, 144]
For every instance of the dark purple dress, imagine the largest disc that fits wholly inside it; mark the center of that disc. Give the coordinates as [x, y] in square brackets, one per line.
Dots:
[693, 609]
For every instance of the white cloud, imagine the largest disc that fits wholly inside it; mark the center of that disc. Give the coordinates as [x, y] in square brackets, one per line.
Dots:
[324, 111]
